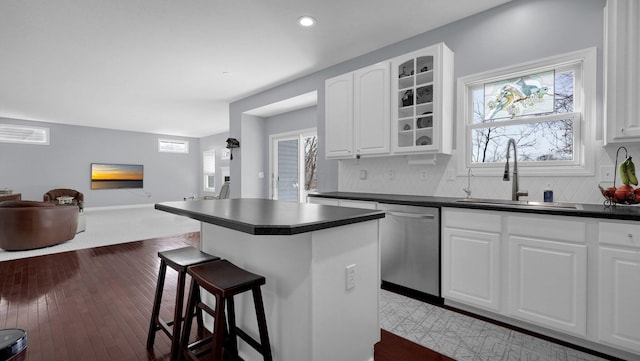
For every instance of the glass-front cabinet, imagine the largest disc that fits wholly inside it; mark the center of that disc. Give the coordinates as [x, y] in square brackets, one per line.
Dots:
[422, 101]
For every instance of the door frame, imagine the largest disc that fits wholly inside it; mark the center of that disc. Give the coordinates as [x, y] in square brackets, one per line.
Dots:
[273, 165]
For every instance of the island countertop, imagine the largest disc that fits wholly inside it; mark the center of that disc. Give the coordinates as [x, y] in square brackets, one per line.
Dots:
[268, 217]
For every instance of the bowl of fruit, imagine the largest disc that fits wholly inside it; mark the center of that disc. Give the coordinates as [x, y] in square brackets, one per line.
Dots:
[625, 193]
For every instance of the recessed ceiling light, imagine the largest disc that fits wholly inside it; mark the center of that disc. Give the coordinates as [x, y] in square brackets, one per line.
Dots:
[306, 21]
[226, 73]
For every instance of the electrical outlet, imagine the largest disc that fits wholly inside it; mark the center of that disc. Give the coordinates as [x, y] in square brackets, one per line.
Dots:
[391, 174]
[350, 277]
[606, 173]
[363, 174]
[451, 174]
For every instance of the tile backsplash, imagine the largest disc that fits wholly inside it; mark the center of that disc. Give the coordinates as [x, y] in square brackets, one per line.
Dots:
[394, 175]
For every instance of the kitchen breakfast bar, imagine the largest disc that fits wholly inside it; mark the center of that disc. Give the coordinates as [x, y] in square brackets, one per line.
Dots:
[322, 266]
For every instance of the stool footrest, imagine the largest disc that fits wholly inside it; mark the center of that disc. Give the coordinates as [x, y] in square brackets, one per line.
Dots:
[167, 327]
[207, 309]
[250, 340]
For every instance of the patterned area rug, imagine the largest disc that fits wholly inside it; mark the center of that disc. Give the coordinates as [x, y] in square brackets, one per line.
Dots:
[466, 338]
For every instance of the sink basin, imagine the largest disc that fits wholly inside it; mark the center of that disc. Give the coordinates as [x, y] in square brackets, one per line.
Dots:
[521, 204]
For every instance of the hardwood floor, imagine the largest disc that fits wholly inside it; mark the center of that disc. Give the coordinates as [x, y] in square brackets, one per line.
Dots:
[95, 304]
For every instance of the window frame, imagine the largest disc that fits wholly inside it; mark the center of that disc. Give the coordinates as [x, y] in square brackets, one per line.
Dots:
[46, 133]
[208, 154]
[176, 141]
[584, 116]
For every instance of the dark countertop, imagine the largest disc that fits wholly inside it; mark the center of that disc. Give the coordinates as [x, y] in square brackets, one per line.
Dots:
[620, 212]
[268, 217]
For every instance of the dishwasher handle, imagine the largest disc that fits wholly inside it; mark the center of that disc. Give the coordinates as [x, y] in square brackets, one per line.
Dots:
[411, 215]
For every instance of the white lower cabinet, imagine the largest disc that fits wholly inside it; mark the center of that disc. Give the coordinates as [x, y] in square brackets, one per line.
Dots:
[471, 258]
[532, 268]
[547, 270]
[619, 284]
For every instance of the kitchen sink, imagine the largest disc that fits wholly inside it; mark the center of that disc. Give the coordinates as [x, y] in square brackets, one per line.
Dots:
[521, 204]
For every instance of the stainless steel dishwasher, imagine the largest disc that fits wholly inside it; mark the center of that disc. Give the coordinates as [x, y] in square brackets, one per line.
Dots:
[410, 250]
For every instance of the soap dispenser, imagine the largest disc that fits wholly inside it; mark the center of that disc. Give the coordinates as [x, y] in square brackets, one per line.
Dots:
[548, 193]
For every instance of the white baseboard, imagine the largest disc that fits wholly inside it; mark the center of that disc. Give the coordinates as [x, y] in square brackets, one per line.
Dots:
[127, 206]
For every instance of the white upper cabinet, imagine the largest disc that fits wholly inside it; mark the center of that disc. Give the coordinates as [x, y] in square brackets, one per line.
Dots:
[422, 101]
[339, 116]
[621, 73]
[357, 113]
[399, 106]
[371, 109]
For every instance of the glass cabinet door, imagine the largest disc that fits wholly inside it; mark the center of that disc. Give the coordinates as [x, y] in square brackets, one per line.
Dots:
[418, 100]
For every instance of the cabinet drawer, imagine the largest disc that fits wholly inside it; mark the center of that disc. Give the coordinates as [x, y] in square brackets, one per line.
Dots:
[619, 233]
[358, 204]
[475, 220]
[552, 229]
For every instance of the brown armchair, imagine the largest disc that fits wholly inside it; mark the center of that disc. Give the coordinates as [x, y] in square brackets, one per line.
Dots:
[52, 195]
[29, 224]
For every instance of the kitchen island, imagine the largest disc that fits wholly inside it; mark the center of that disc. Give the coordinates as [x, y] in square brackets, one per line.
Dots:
[304, 251]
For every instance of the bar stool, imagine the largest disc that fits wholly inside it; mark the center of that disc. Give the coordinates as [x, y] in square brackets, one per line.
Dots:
[180, 260]
[224, 280]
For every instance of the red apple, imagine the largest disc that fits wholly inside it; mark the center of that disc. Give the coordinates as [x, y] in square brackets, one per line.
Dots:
[610, 192]
[624, 193]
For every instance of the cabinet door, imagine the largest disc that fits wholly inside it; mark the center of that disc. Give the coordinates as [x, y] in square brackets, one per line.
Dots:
[622, 77]
[471, 267]
[339, 116]
[371, 109]
[619, 297]
[548, 283]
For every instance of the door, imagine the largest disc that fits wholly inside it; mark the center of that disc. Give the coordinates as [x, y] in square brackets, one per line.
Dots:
[294, 165]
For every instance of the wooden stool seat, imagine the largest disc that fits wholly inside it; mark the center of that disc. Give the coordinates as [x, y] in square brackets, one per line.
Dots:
[180, 260]
[224, 280]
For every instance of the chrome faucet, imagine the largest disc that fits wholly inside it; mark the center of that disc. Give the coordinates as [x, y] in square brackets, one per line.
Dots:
[515, 193]
[468, 189]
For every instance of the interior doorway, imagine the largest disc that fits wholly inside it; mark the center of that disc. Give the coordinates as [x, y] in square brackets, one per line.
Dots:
[293, 165]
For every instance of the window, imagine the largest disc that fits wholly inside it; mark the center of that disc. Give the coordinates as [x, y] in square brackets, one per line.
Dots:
[546, 106]
[173, 146]
[22, 134]
[209, 170]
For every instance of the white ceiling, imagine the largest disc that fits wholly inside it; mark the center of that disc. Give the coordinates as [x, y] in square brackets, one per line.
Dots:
[157, 65]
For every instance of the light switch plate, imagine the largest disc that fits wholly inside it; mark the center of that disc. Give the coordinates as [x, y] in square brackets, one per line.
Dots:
[350, 277]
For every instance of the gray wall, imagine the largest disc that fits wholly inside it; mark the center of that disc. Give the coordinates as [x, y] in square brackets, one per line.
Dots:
[216, 142]
[519, 31]
[34, 169]
[252, 145]
[292, 121]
